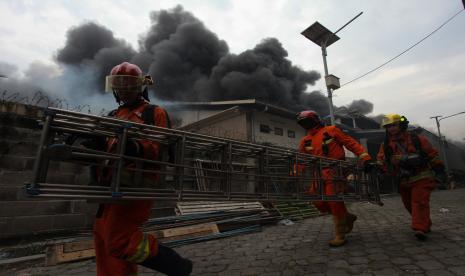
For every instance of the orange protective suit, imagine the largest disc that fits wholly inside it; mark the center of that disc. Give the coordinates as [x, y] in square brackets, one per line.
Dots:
[119, 242]
[328, 141]
[416, 184]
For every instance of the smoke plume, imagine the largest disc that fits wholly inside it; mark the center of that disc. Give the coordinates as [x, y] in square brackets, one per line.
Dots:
[360, 106]
[188, 63]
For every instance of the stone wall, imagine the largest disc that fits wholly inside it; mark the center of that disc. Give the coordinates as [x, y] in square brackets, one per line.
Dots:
[21, 215]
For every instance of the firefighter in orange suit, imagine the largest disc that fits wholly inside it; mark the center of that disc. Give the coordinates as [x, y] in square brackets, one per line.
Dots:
[328, 141]
[411, 158]
[120, 244]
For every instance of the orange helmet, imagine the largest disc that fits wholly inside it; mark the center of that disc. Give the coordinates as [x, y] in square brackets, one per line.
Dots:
[308, 119]
[127, 76]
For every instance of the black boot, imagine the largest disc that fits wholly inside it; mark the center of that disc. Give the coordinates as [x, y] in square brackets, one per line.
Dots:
[169, 262]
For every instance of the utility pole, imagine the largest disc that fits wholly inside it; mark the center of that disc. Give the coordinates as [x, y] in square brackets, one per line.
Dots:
[442, 149]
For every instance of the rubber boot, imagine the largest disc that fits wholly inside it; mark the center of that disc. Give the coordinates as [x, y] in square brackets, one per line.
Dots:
[420, 235]
[169, 262]
[350, 219]
[340, 228]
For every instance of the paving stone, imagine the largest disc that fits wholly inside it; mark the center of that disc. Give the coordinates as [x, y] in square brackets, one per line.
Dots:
[378, 257]
[358, 253]
[357, 269]
[439, 272]
[458, 270]
[429, 265]
[422, 257]
[381, 244]
[336, 272]
[411, 269]
[357, 260]
[401, 261]
[387, 272]
[377, 265]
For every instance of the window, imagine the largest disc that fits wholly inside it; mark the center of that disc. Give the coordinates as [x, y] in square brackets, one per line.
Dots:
[290, 133]
[278, 131]
[265, 128]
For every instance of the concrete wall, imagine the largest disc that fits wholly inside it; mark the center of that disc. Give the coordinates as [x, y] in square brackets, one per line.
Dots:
[19, 214]
[190, 116]
[23, 216]
[234, 127]
[274, 121]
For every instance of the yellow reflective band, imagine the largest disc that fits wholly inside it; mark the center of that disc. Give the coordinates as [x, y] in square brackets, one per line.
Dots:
[380, 162]
[142, 251]
[422, 175]
[363, 155]
[397, 156]
[328, 141]
[435, 159]
[309, 148]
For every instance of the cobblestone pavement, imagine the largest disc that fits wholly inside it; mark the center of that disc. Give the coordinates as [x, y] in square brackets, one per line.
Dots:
[380, 244]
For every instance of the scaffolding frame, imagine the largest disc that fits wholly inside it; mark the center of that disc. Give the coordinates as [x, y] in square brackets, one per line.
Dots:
[203, 167]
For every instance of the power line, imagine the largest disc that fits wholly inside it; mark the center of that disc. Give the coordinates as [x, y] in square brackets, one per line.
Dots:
[405, 51]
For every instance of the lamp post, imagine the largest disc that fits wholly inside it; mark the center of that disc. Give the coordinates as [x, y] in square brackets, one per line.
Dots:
[442, 148]
[323, 37]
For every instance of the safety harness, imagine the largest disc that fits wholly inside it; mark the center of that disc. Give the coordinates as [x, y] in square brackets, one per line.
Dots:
[409, 164]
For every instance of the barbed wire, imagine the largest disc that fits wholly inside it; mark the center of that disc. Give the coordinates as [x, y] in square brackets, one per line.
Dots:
[41, 100]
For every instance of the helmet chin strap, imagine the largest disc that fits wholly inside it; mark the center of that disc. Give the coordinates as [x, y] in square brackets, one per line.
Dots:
[145, 93]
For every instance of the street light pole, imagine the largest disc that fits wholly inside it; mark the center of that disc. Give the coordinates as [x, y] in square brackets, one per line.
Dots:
[330, 91]
[323, 37]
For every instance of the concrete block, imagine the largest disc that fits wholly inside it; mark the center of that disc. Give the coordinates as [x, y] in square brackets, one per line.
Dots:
[16, 163]
[34, 208]
[82, 178]
[32, 224]
[71, 168]
[6, 226]
[61, 178]
[19, 147]
[83, 207]
[9, 130]
[15, 178]
[9, 193]
[69, 222]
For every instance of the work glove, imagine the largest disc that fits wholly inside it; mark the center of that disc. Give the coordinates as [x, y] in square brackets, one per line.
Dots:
[369, 166]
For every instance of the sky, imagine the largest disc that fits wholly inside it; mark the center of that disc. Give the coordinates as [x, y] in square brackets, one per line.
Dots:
[429, 80]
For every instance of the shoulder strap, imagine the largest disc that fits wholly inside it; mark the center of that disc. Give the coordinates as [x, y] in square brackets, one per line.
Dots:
[387, 150]
[168, 120]
[417, 144]
[148, 115]
[112, 113]
[325, 147]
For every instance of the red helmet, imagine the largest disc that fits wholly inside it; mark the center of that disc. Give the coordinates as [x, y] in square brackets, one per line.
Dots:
[127, 76]
[308, 119]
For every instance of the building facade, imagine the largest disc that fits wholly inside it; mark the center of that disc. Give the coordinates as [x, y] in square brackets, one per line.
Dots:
[246, 120]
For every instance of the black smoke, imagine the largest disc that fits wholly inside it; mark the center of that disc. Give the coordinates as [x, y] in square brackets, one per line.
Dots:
[181, 51]
[263, 73]
[91, 46]
[188, 63]
[362, 107]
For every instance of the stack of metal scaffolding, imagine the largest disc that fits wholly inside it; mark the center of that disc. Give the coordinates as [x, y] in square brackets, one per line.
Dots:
[191, 166]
